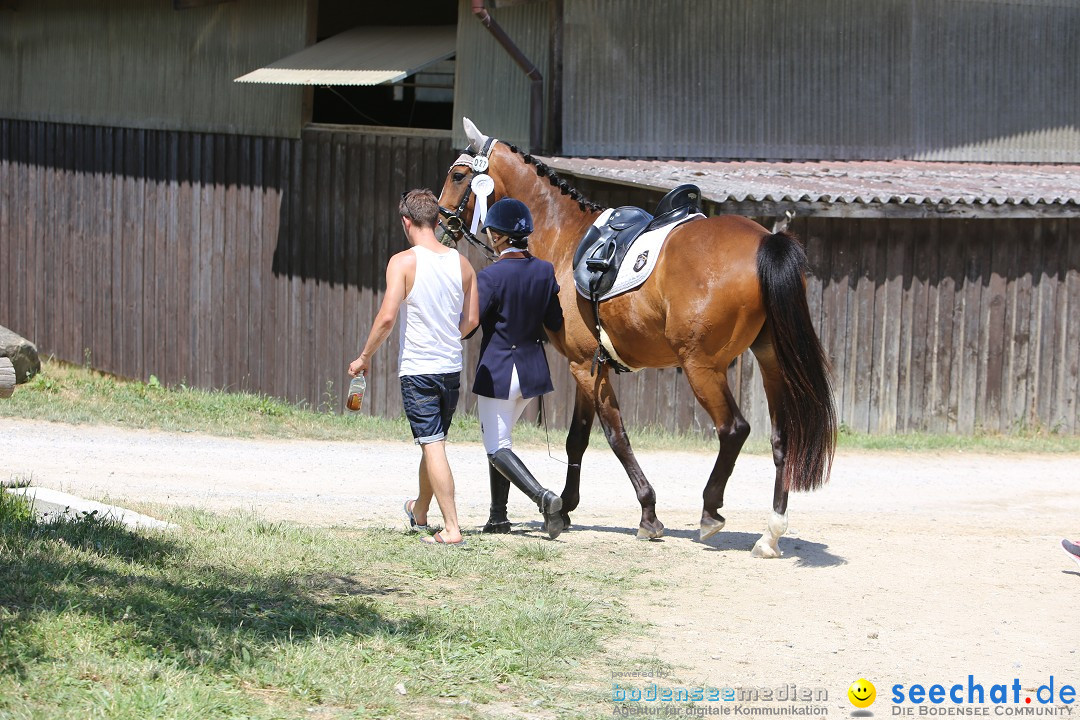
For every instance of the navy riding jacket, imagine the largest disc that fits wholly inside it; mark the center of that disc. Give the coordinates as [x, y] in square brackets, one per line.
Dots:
[519, 297]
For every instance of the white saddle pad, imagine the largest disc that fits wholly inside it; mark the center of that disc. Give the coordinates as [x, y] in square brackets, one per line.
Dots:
[640, 260]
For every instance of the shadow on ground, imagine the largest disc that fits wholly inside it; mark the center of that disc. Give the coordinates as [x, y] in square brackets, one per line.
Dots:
[155, 598]
[806, 552]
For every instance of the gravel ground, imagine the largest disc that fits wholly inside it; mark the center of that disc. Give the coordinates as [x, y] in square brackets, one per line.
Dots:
[906, 568]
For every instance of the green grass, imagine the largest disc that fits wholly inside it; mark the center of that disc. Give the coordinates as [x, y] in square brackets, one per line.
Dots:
[79, 395]
[73, 394]
[234, 617]
[1023, 440]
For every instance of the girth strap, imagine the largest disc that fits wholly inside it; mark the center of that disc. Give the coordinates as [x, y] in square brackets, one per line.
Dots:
[602, 355]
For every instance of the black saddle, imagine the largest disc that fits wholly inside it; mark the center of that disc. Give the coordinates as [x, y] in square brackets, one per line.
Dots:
[601, 252]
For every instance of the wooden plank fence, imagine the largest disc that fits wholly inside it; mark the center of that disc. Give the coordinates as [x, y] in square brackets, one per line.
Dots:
[253, 263]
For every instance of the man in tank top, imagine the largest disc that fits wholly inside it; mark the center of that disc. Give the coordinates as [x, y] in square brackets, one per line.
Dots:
[432, 289]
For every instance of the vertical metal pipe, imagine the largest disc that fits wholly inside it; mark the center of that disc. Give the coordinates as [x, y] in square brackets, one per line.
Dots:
[536, 95]
[553, 119]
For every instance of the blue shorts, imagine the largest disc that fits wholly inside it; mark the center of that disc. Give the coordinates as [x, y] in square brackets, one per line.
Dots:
[430, 401]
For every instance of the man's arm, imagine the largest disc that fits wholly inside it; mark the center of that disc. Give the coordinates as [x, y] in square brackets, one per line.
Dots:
[396, 271]
[470, 313]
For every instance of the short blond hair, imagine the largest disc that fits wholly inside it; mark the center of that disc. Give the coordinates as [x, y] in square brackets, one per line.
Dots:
[420, 206]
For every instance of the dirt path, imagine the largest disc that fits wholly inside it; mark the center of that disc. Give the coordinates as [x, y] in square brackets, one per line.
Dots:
[904, 569]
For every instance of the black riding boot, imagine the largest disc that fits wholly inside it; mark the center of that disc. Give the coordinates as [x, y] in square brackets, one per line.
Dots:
[500, 493]
[550, 504]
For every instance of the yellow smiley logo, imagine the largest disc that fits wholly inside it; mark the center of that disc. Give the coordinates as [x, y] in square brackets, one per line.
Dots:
[862, 693]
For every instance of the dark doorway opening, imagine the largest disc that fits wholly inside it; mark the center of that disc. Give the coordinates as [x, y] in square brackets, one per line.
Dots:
[422, 100]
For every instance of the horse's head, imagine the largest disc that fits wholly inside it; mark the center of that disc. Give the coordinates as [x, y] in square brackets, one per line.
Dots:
[490, 170]
[475, 181]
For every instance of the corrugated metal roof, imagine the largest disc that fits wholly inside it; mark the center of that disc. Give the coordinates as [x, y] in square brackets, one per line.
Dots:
[893, 183]
[362, 56]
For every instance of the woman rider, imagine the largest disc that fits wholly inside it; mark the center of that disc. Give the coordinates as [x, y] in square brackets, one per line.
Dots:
[518, 299]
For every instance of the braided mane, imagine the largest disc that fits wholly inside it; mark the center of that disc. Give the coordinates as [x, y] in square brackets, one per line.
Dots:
[543, 170]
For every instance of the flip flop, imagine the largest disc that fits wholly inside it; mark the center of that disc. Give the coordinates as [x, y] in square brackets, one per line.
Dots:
[1071, 549]
[437, 539]
[413, 525]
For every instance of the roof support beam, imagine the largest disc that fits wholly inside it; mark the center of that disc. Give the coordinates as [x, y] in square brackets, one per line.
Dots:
[536, 80]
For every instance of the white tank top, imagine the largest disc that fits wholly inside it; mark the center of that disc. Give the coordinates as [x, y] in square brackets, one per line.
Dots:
[430, 340]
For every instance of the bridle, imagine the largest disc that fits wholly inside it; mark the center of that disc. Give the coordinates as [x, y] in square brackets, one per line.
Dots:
[454, 225]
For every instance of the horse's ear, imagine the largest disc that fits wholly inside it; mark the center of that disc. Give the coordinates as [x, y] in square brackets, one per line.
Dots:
[476, 138]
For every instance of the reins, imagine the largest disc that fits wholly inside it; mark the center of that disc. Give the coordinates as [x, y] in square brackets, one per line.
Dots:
[547, 433]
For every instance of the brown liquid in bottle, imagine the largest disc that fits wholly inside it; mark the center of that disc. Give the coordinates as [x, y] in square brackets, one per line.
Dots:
[356, 393]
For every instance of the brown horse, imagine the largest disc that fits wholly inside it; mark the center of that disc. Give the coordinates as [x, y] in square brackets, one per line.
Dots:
[721, 285]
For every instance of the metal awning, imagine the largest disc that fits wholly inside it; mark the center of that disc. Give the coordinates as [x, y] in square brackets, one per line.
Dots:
[371, 55]
[896, 188]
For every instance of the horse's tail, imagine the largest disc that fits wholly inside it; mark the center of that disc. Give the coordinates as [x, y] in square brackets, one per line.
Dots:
[808, 414]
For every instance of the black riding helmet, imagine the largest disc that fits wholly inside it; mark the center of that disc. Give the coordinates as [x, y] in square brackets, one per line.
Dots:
[511, 218]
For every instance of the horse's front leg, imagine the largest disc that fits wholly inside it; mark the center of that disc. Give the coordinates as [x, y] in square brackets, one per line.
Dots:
[611, 420]
[577, 440]
[708, 380]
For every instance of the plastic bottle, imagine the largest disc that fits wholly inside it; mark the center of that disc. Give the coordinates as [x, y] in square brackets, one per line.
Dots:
[355, 400]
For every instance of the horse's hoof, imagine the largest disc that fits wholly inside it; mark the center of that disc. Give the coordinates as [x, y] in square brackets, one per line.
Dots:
[709, 527]
[655, 532]
[765, 549]
[565, 520]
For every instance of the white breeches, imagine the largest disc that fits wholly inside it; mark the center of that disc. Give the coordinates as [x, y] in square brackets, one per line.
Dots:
[497, 417]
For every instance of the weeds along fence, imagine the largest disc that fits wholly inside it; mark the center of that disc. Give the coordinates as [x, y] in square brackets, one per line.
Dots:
[253, 263]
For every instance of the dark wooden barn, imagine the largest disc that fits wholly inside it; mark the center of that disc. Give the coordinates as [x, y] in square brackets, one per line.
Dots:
[159, 217]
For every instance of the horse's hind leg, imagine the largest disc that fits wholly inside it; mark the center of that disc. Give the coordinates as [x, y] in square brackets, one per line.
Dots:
[602, 395]
[710, 386]
[768, 545]
[577, 440]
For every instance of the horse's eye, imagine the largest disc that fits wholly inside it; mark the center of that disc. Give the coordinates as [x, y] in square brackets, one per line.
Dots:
[459, 176]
